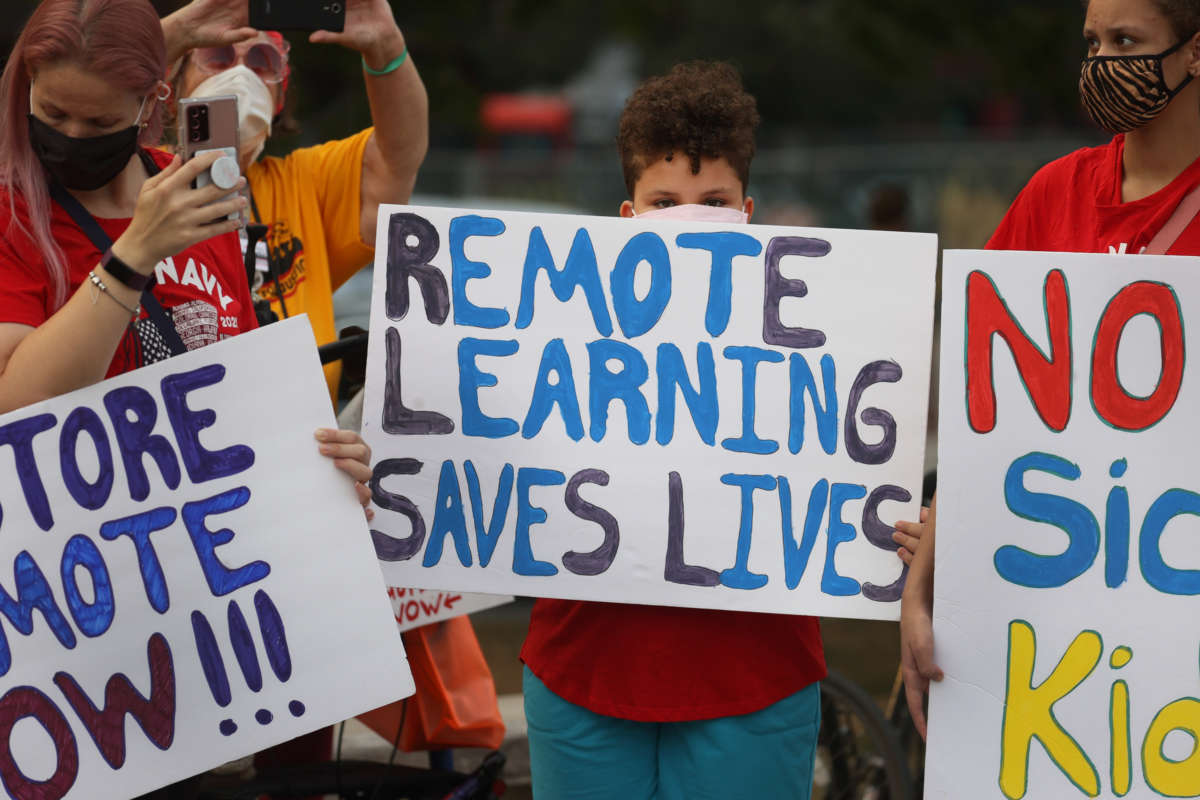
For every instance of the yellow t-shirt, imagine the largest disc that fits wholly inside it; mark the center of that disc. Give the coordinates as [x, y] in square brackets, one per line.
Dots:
[311, 201]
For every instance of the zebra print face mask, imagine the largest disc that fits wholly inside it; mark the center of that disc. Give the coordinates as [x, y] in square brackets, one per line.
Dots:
[1123, 93]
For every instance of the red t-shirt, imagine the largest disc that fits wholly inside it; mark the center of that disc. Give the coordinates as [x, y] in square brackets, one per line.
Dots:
[1074, 205]
[203, 288]
[662, 664]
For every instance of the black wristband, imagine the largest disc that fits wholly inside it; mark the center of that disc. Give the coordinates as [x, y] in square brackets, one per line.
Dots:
[123, 274]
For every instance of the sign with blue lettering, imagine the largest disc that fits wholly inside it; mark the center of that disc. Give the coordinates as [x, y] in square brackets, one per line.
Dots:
[1068, 550]
[662, 412]
[190, 580]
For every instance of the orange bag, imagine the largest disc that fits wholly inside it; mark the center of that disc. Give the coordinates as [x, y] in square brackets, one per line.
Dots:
[455, 704]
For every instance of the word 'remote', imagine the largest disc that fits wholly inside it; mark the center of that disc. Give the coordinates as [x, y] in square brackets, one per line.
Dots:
[84, 461]
[170, 535]
[657, 353]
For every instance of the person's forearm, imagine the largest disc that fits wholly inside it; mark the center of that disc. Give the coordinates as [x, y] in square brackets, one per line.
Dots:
[175, 33]
[71, 349]
[400, 114]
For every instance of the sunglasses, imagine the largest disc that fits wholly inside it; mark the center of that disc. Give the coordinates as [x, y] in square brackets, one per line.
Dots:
[265, 60]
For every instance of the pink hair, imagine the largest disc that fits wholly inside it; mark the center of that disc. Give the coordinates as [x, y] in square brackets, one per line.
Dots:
[121, 40]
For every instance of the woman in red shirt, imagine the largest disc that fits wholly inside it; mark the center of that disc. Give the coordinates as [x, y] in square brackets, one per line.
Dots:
[1138, 83]
[89, 220]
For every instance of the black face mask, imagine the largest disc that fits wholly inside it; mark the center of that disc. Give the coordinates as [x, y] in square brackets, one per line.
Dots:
[82, 164]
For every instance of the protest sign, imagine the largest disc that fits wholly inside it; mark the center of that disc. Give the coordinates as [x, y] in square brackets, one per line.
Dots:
[1067, 549]
[416, 607]
[655, 412]
[183, 559]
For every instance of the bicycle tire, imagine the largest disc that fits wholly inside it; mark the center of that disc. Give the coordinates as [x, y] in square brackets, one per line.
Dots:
[859, 756]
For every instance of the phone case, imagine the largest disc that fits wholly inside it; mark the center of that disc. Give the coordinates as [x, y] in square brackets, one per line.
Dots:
[222, 125]
[298, 15]
[220, 131]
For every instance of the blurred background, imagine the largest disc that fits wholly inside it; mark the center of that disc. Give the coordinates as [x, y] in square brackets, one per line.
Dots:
[935, 112]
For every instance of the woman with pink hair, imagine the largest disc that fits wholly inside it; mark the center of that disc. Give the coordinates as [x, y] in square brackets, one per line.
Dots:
[85, 211]
[109, 258]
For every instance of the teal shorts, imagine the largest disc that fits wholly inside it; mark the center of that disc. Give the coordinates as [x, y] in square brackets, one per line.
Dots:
[576, 754]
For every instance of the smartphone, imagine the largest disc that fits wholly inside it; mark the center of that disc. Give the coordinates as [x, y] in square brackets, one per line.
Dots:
[298, 15]
[207, 124]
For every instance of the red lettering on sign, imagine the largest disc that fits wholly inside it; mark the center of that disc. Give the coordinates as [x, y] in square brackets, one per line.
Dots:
[1115, 405]
[1047, 380]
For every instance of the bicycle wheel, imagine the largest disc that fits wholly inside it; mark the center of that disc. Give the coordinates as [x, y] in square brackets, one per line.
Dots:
[858, 754]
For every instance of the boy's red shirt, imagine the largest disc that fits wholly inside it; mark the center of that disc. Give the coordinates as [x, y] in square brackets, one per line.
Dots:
[1074, 204]
[663, 664]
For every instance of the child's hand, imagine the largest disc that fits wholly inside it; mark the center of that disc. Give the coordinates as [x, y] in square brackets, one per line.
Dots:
[352, 456]
[908, 536]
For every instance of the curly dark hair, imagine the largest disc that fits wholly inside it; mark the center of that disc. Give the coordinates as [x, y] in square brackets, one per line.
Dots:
[699, 109]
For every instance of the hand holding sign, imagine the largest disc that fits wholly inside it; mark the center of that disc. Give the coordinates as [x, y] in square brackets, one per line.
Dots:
[352, 456]
[908, 536]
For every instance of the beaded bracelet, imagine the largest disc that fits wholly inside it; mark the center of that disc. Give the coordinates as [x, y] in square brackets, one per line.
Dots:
[99, 284]
[390, 68]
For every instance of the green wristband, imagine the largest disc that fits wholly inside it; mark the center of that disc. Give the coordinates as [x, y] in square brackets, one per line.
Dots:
[390, 68]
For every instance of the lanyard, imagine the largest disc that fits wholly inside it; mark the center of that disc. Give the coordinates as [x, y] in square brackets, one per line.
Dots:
[100, 240]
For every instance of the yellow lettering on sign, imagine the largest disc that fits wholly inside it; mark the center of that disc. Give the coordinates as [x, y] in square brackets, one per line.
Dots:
[1122, 758]
[1029, 711]
[1164, 775]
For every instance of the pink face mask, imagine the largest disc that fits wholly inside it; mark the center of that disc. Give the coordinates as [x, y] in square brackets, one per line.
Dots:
[694, 212]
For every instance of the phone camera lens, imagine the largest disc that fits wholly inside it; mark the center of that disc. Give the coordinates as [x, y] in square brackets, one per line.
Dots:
[336, 8]
[197, 118]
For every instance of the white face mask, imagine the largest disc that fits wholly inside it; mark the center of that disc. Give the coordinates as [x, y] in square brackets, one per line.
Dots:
[256, 107]
[694, 212]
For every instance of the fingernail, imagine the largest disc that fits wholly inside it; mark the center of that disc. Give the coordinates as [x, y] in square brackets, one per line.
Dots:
[322, 434]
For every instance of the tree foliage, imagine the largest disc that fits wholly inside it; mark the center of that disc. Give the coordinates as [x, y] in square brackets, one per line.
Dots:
[818, 67]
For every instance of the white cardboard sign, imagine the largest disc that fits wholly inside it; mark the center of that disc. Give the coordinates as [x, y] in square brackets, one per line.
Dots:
[658, 412]
[1068, 544]
[190, 580]
[416, 607]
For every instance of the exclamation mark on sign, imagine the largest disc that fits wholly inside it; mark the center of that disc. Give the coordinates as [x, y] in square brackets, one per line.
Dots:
[275, 641]
[213, 666]
[274, 637]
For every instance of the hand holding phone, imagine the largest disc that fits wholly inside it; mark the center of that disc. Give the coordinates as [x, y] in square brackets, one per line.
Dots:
[208, 124]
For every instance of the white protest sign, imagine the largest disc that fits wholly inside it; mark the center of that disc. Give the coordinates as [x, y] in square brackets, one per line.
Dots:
[1068, 547]
[416, 607]
[655, 412]
[191, 581]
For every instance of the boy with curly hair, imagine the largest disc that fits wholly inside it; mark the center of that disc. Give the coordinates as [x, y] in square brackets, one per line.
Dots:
[657, 703]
